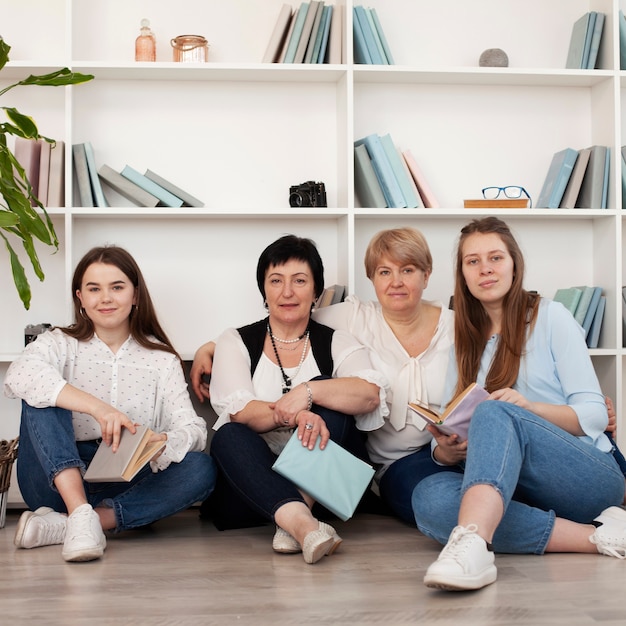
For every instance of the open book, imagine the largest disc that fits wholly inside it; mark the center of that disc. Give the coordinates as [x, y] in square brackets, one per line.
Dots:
[456, 418]
[123, 465]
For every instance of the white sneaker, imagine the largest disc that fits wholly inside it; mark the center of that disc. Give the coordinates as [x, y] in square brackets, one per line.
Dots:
[43, 527]
[464, 563]
[84, 539]
[610, 536]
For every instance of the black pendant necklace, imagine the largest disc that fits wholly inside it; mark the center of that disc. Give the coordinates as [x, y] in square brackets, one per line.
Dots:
[287, 379]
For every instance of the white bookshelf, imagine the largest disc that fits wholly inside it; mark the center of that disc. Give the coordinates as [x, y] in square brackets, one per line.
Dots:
[237, 133]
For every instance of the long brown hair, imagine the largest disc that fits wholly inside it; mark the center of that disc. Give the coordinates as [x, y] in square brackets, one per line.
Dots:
[144, 324]
[471, 325]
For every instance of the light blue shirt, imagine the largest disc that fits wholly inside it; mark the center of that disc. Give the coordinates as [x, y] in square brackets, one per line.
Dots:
[556, 369]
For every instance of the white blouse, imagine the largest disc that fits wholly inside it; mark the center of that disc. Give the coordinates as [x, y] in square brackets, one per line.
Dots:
[411, 378]
[146, 385]
[232, 387]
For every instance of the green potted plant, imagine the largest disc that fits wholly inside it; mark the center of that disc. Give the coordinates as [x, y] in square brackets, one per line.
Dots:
[19, 219]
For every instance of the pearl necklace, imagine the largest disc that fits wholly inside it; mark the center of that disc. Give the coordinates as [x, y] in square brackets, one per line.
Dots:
[275, 338]
[287, 380]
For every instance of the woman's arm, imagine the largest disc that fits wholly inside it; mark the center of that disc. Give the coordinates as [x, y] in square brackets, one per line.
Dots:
[202, 366]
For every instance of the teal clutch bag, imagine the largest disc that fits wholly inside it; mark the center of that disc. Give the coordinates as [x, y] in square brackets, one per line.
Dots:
[333, 477]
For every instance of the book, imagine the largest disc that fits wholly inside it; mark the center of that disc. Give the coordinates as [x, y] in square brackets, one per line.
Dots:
[596, 37]
[428, 197]
[572, 190]
[496, 203]
[333, 476]
[456, 418]
[127, 188]
[339, 292]
[593, 339]
[28, 154]
[361, 52]
[605, 181]
[325, 28]
[381, 35]
[591, 310]
[569, 297]
[85, 195]
[375, 33]
[56, 175]
[360, 16]
[557, 178]
[277, 38]
[165, 197]
[94, 179]
[622, 41]
[296, 31]
[288, 34]
[335, 38]
[366, 185]
[133, 453]
[623, 163]
[326, 297]
[583, 303]
[412, 183]
[187, 198]
[44, 172]
[395, 159]
[592, 187]
[305, 35]
[580, 42]
[391, 189]
[315, 32]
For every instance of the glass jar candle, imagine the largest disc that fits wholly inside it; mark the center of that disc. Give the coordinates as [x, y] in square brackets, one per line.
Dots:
[190, 49]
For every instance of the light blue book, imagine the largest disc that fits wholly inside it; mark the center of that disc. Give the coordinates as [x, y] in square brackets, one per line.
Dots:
[361, 52]
[383, 39]
[391, 189]
[596, 38]
[596, 326]
[360, 14]
[557, 178]
[583, 303]
[605, 182]
[327, 18]
[580, 42]
[94, 179]
[165, 197]
[319, 34]
[591, 309]
[379, 43]
[569, 297]
[400, 172]
[299, 20]
[622, 41]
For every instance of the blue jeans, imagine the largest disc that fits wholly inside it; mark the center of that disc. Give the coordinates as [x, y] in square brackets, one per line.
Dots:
[540, 471]
[401, 477]
[248, 491]
[47, 447]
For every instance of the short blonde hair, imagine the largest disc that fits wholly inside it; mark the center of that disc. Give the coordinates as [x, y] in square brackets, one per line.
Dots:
[406, 246]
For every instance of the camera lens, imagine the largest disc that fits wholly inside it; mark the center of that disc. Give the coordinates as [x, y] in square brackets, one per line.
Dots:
[295, 199]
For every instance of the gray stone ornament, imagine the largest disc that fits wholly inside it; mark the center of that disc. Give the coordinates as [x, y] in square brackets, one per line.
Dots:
[493, 57]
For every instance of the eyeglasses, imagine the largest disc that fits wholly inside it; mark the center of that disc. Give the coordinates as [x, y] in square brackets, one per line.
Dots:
[511, 191]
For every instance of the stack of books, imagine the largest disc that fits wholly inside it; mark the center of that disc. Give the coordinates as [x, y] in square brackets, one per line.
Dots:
[585, 41]
[577, 179]
[145, 190]
[587, 305]
[44, 166]
[331, 295]
[370, 43]
[310, 34]
[385, 176]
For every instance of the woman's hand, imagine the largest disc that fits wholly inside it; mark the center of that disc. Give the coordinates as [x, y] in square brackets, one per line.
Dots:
[111, 423]
[612, 425]
[201, 370]
[514, 397]
[157, 437]
[287, 407]
[310, 425]
[449, 450]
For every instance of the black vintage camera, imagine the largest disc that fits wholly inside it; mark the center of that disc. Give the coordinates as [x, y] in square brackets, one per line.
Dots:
[307, 194]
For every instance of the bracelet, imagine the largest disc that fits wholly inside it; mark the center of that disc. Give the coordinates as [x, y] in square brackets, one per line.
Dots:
[309, 396]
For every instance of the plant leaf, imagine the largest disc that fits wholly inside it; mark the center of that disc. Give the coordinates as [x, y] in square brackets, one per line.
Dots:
[8, 219]
[61, 77]
[19, 275]
[24, 123]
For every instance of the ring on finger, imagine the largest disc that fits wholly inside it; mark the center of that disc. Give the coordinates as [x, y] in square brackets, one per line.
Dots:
[308, 426]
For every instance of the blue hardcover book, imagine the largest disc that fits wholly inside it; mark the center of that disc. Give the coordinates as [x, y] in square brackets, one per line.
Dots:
[165, 197]
[360, 14]
[299, 20]
[596, 37]
[383, 39]
[569, 297]
[391, 189]
[605, 182]
[622, 41]
[557, 178]
[580, 42]
[591, 309]
[361, 53]
[594, 333]
[319, 34]
[96, 187]
[583, 303]
[400, 172]
[327, 18]
[592, 188]
[379, 43]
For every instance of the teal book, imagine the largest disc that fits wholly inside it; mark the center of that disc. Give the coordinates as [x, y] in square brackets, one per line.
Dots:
[592, 188]
[591, 309]
[327, 19]
[557, 178]
[596, 38]
[165, 197]
[593, 339]
[569, 297]
[360, 14]
[361, 52]
[82, 175]
[410, 198]
[307, 28]
[381, 35]
[366, 185]
[313, 51]
[391, 189]
[580, 42]
[583, 304]
[570, 196]
[96, 186]
[605, 182]
[379, 43]
[622, 41]
[187, 198]
[299, 20]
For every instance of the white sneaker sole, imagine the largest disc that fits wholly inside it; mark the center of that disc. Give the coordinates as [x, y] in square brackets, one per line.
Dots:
[84, 554]
[462, 583]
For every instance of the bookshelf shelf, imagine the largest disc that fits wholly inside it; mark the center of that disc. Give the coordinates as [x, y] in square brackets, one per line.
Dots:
[236, 133]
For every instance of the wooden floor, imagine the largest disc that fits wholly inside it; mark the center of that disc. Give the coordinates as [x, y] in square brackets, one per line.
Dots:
[183, 571]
